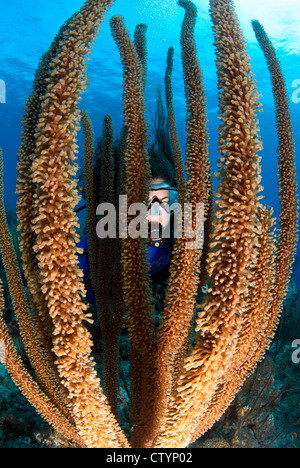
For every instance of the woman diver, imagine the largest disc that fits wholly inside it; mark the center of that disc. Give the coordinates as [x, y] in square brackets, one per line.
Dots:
[161, 205]
[160, 217]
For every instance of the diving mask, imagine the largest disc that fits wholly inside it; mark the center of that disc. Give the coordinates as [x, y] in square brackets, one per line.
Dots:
[159, 213]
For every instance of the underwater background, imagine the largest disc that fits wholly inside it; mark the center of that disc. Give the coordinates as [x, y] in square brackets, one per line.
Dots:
[26, 30]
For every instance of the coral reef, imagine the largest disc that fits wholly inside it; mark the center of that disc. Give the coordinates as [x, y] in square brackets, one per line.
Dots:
[182, 380]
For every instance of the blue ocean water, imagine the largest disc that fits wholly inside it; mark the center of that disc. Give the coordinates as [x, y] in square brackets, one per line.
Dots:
[27, 29]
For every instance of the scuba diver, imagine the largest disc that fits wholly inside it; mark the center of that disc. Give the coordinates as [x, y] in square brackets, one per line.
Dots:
[160, 216]
[162, 197]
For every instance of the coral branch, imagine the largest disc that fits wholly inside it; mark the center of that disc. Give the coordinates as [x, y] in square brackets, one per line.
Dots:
[54, 224]
[110, 323]
[289, 214]
[175, 329]
[91, 220]
[234, 248]
[141, 48]
[30, 388]
[177, 154]
[137, 293]
[38, 357]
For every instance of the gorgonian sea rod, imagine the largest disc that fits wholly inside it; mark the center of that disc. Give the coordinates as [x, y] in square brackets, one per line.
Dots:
[182, 379]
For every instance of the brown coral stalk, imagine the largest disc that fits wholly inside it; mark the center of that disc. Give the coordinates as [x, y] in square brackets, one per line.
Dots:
[178, 161]
[29, 387]
[26, 195]
[141, 48]
[175, 328]
[110, 323]
[137, 292]
[39, 359]
[25, 185]
[234, 248]
[197, 163]
[91, 220]
[289, 214]
[254, 331]
[55, 227]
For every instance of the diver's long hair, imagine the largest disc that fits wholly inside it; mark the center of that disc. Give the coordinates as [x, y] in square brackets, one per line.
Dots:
[160, 153]
[160, 150]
